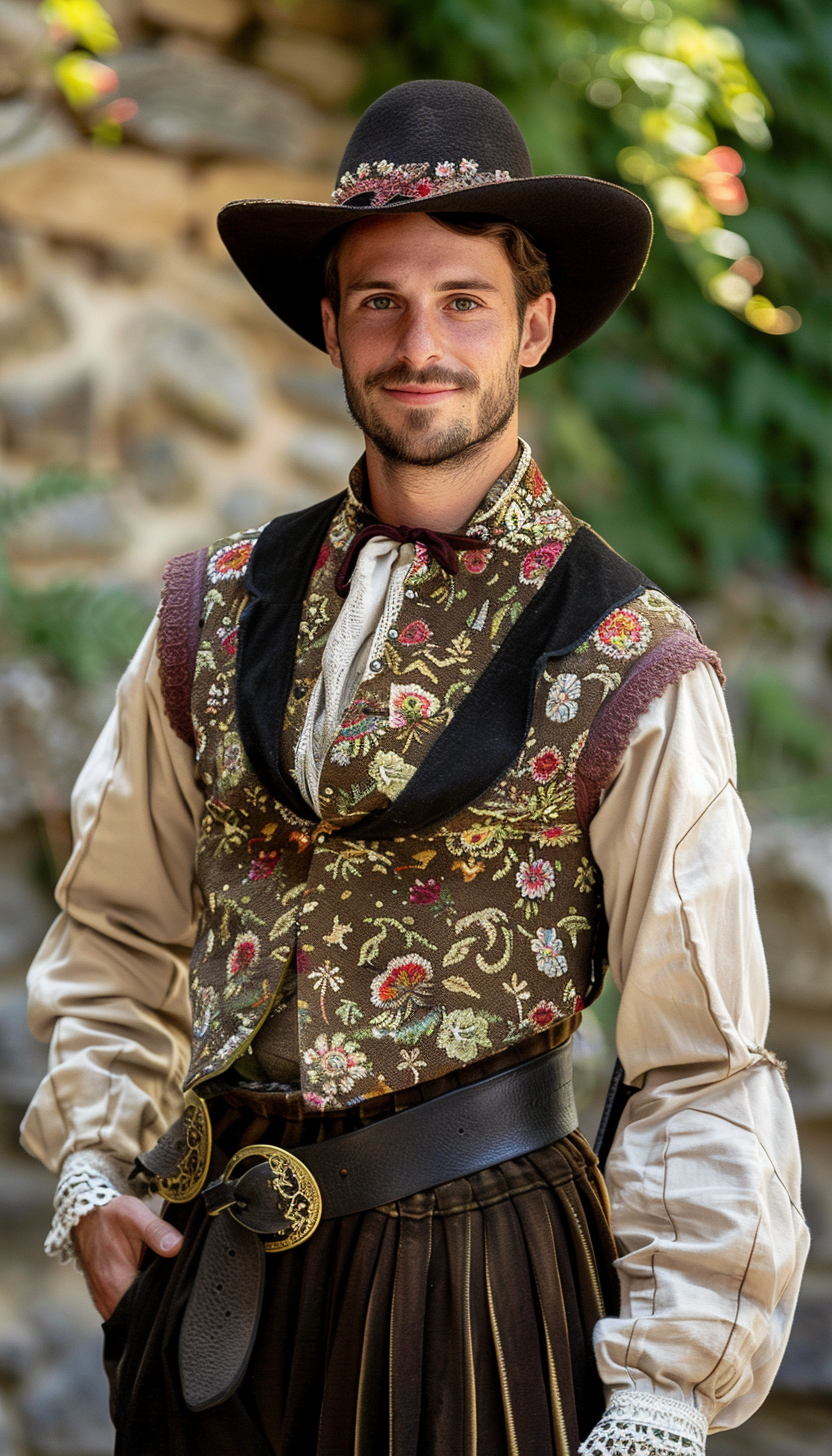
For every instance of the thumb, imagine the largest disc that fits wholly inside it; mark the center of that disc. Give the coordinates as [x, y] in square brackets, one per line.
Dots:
[161, 1237]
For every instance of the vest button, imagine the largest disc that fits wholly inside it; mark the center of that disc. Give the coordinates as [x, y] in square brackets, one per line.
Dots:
[392, 634]
[376, 665]
[411, 595]
[328, 793]
[300, 690]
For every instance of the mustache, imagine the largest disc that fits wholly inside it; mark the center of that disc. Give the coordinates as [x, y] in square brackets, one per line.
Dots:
[399, 376]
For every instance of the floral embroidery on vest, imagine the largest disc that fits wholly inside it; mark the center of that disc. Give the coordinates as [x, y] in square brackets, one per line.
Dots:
[433, 950]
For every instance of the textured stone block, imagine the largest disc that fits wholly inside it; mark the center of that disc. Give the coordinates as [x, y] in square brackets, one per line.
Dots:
[785, 1426]
[326, 70]
[791, 862]
[230, 181]
[22, 1059]
[807, 1365]
[118, 199]
[195, 369]
[201, 106]
[28, 129]
[83, 526]
[161, 469]
[319, 394]
[35, 326]
[816, 1153]
[804, 1041]
[217, 19]
[325, 455]
[20, 32]
[48, 418]
[356, 20]
[64, 1405]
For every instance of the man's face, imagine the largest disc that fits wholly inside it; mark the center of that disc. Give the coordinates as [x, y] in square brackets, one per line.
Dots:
[427, 337]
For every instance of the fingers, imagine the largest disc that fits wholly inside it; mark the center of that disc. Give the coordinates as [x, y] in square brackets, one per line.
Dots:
[161, 1237]
[110, 1242]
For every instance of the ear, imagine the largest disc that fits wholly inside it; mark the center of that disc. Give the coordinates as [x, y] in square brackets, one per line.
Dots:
[537, 330]
[330, 324]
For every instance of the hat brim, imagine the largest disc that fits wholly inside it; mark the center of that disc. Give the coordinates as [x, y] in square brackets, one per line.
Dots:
[595, 235]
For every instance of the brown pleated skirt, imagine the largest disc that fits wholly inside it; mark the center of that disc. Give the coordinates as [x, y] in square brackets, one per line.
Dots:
[457, 1322]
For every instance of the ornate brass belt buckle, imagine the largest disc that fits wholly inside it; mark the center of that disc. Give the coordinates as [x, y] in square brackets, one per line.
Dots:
[187, 1181]
[298, 1195]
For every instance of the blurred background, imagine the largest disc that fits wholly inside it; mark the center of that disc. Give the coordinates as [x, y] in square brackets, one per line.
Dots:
[149, 403]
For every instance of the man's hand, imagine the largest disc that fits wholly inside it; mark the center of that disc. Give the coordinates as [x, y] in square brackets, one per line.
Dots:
[110, 1241]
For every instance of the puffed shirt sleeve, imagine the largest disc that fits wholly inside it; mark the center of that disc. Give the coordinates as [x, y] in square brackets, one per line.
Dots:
[704, 1172]
[109, 986]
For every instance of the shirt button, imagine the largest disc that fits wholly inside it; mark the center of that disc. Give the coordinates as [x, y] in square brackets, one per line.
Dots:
[300, 690]
[392, 634]
[411, 595]
[376, 665]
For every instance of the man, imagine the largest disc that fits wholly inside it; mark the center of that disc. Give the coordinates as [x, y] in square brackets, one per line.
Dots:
[399, 774]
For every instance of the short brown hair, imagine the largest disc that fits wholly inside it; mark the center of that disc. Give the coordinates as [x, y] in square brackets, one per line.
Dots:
[529, 264]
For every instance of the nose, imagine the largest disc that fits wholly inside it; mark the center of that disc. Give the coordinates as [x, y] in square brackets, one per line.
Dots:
[418, 343]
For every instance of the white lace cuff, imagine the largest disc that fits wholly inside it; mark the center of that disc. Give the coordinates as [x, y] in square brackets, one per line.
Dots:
[88, 1180]
[637, 1423]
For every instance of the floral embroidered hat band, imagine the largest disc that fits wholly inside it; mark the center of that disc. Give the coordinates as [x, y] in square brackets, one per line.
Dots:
[447, 146]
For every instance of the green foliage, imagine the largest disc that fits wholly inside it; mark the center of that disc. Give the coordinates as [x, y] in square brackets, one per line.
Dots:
[692, 441]
[85, 631]
[784, 748]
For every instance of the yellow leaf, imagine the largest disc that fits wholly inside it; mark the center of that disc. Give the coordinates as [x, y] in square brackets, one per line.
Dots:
[83, 80]
[86, 20]
[460, 986]
[459, 951]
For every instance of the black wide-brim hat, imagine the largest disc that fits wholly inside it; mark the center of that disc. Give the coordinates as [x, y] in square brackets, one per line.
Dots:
[447, 146]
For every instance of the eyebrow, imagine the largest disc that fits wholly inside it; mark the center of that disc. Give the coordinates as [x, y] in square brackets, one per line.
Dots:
[478, 285]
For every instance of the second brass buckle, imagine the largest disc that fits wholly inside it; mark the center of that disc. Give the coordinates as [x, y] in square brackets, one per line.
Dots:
[298, 1195]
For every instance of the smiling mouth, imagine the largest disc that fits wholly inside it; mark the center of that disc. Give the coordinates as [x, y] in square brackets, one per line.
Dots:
[421, 394]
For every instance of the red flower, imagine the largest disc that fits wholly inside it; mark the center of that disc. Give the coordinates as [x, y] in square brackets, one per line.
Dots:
[245, 949]
[415, 634]
[546, 765]
[537, 485]
[476, 561]
[407, 979]
[323, 557]
[230, 562]
[539, 562]
[264, 866]
[229, 641]
[544, 1014]
[425, 894]
[423, 189]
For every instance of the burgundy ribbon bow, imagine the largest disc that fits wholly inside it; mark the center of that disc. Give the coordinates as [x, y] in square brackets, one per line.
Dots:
[442, 547]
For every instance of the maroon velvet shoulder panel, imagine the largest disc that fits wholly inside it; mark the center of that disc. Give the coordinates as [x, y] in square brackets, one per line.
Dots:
[183, 585]
[615, 721]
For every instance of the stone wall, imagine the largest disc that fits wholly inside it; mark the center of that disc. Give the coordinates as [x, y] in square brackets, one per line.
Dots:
[130, 347]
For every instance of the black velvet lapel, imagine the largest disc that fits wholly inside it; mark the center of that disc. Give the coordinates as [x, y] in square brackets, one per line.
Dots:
[488, 731]
[276, 581]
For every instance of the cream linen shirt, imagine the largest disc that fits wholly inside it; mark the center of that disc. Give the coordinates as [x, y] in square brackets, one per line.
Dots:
[704, 1173]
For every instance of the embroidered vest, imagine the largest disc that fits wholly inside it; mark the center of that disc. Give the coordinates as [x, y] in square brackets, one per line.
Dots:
[448, 906]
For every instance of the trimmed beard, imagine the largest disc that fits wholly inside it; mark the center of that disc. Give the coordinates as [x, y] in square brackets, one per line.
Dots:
[400, 446]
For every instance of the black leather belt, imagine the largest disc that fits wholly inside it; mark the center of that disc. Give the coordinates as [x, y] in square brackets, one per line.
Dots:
[279, 1202]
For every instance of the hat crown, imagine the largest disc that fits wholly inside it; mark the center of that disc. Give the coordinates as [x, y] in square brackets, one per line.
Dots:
[435, 122]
